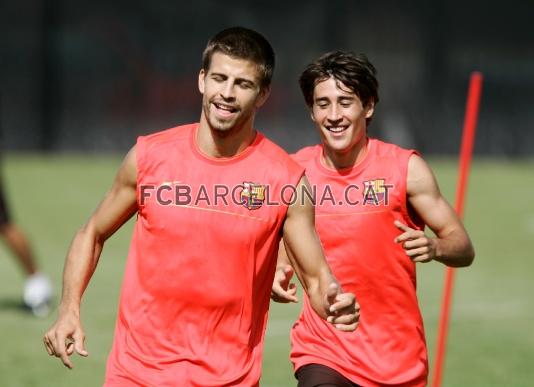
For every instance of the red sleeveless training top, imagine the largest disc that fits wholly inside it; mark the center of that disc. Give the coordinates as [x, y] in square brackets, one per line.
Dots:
[355, 210]
[194, 301]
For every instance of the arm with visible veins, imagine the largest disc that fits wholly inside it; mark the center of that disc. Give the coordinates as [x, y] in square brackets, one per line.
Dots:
[304, 252]
[451, 245]
[66, 335]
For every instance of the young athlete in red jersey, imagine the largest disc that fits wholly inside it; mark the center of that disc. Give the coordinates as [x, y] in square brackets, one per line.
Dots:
[212, 204]
[373, 200]
[38, 291]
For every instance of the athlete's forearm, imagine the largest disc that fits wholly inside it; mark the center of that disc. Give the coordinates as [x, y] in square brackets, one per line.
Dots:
[305, 255]
[282, 260]
[80, 265]
[454, 249]
[303, 251]
[317, 290]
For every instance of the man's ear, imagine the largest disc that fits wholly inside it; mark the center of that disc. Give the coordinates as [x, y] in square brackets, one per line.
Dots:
[311, 114]
[370, 109]
[201, 77]
[262, 96]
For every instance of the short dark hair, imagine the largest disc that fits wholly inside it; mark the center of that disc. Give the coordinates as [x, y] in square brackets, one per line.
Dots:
[242, 43]
[355, 71]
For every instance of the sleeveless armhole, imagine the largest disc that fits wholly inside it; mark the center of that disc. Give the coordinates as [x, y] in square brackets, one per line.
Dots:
[411, 217]
[140, 155]
[295, 172]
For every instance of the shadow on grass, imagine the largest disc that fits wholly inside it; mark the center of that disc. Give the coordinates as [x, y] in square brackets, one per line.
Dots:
[10, 304]
[13, 304]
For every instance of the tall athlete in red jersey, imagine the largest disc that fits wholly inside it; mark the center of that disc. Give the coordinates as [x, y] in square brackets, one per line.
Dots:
[373, 200]
[212, 204]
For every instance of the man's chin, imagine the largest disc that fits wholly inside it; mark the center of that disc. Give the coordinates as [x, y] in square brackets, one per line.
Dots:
[337, 147]
[226, 127]
[222, 128]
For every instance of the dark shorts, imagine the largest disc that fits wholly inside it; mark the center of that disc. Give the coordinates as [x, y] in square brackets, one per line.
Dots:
[317, 375]
[4, 213]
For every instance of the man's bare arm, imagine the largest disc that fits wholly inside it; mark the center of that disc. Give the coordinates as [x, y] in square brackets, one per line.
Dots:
[283, 290]
[452, 245]
[306, 256]
[119, 204]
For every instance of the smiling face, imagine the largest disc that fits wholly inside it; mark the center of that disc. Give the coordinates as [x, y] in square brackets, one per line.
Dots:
[341, 120]
[231, 93]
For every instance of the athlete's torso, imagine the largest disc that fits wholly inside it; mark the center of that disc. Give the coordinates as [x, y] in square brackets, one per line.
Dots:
[196, 289]
[355, 210]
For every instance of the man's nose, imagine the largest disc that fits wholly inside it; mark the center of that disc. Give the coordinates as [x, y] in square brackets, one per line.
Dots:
[228, 91]
[334, 114]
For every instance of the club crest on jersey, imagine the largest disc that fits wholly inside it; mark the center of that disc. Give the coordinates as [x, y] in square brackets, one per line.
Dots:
[252, 195]
[376, 192]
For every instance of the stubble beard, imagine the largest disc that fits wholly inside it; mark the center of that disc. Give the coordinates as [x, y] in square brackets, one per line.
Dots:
[224, 128]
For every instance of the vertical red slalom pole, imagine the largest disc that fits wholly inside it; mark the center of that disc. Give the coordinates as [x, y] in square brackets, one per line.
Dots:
[466, 152]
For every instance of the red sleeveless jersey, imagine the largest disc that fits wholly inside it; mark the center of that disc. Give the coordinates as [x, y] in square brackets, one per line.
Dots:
[355, 210]
[194, 301]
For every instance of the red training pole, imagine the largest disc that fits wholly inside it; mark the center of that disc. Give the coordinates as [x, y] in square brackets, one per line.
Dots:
[466, 152]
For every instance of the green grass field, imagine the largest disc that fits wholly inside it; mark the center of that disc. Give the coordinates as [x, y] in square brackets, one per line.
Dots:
[491, 340]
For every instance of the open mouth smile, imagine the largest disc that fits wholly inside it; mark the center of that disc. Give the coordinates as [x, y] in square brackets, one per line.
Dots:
[224, 110]
[337, 129]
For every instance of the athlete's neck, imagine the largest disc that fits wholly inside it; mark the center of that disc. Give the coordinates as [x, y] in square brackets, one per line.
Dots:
[342, 160]
[224, 143]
